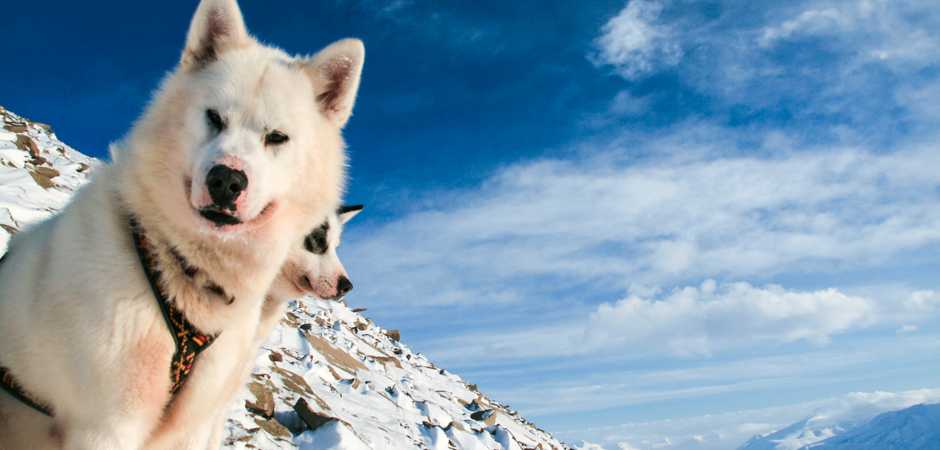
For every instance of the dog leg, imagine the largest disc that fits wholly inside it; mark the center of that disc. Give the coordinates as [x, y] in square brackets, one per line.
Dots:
[217, 429]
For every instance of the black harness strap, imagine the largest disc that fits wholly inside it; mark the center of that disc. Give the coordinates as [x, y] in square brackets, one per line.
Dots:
[190, 342]
[10, 385]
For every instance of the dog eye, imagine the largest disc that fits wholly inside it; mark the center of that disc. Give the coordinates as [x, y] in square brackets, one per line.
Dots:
[275, 138]
[215, 120]
[315, 242]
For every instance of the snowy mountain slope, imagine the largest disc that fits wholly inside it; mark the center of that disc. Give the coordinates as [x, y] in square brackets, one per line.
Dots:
[798, 435]
[364, 390]
[840, 417]
[914, 428]
[38, 173]
[328, 378]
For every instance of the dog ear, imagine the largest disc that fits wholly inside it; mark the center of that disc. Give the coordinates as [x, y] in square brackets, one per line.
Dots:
[335, 72]
[347, 212]
[217, 27]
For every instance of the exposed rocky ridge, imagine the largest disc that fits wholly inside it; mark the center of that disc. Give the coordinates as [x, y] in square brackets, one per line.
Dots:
[328, 378]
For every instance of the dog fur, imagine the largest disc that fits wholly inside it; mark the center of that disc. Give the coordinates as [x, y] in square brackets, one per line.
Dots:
[79, 325]
[317, 272]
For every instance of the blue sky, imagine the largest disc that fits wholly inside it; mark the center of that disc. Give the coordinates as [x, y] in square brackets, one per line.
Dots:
[604, 213]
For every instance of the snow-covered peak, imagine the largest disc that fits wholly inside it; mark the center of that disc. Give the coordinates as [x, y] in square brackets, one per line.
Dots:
[914, 428]
[839, 417]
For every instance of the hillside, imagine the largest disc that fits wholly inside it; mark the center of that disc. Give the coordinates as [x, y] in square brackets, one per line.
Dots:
[914, 428]
[38, 173]
[883, 419]
[328, 378]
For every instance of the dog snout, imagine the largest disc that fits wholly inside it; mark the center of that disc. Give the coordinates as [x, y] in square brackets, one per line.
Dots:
[343, 286]
[225, 184]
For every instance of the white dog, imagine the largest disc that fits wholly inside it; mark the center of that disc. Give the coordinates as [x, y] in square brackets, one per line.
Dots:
[238, 155]
[311, 269]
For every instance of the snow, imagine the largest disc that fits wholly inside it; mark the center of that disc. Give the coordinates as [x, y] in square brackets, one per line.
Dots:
[917, 427]
[332, 436]
[840, 417]
[377, 389]
[22, 198]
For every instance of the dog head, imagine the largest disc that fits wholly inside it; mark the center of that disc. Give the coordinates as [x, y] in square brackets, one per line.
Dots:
[241, 133]
[314, 268]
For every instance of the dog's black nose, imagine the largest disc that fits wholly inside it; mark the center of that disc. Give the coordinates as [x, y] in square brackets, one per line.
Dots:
[225, 184]
[343, 286]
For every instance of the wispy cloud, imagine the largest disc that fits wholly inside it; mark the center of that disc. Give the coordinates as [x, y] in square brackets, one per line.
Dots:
[636, 42]
[808, 64]
[694, 319]
[656, 223]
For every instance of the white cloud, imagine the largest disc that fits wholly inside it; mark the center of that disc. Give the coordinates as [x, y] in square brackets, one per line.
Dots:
[804, 63]
[813, 22]
[654, 223]
[923, 302]
[636, 42]
[886, 30]
[696, 320]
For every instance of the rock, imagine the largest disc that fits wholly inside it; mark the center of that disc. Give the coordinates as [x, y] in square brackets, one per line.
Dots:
[47, 171]
[41, 175]
[359, 310]
[264, 406]
[15, 128]
[394, 335]
[291, 319]
[274, 428]
[27, 144]
[482, 415]
[386, 360]
[312, 419]
[293, 382]
[275, 357]
[334, 356]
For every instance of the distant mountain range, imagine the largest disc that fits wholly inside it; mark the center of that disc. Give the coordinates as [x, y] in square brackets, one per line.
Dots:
[913, 428]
